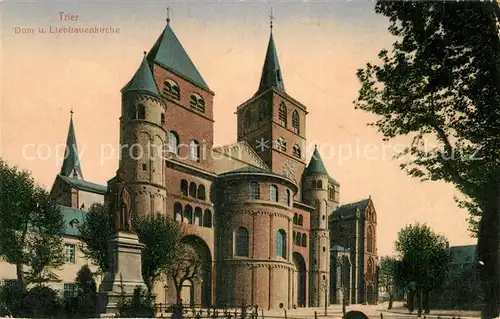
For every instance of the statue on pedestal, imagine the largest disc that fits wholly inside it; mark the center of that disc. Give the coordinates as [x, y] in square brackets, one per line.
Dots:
[123, 214]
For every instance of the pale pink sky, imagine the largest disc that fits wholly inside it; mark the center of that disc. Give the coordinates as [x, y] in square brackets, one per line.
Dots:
[320, 47]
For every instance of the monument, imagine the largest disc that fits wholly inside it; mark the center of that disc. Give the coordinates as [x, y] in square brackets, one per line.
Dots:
[124, 254]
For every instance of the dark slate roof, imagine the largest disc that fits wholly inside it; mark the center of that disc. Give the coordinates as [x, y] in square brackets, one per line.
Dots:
[339, 248]
[253, 169]
[271, 77]
[169, 53]
[463, 254]
[349, 210]
[316, 164]
[71, 163]
[84, 185]
[72, 219]
[142, 80]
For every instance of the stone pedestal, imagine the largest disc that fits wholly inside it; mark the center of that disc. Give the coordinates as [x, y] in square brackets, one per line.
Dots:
[124, 275]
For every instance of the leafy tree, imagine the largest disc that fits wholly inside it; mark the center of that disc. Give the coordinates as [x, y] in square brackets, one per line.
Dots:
[160, 235]
[97, 228]
[440, 84]
[31, 226]
[187, 265]
[84, 303]
[157, 232]
[424, 261]
[141, 305]
[387, 278]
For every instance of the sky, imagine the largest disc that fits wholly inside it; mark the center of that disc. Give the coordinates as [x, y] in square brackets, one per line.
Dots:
[320, 47]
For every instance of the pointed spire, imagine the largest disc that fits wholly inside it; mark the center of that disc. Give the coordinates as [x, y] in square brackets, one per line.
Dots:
[271, 72]
[316, 164]
[143, 79]
[71, 164]
[169, 53]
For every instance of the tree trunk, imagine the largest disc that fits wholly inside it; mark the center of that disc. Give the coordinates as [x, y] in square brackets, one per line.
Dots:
[410, 300]
[420, 303]
[488, 250]
[426, 302]
[391, 297]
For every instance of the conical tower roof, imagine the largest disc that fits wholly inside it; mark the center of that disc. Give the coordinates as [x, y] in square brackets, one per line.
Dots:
[142, 80]
[71, 164]
[316, 164]
[271, 72]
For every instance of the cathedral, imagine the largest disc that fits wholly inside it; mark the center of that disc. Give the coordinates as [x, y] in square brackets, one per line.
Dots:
[265, 220]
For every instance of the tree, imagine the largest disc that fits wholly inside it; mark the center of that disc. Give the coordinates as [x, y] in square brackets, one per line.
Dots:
[187, 265]
[31, 226]
[387, 278]
[95, 231]
[424, 261]
[441, 83]
[84, 303]
[157, 232]
[160, 235]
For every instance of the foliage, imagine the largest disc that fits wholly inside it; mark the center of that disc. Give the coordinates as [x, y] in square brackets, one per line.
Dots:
[141, 305]
[31, 226]
[43, 302]
[461, 291]
[97, 228]
[84, 304]
[187, 265]
[387, 278]
[12, 296]
[157, 232]
[440, 84]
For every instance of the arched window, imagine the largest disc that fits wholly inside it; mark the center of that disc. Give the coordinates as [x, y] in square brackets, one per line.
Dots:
[162, 119]
[184, 187]
[173, 142]
[303, 241]
[370, 266]
[281, 144]
[301, 220]
[313, 184]
[296, 151]
[295, 121]
[295, 218]
[319, 184]
[188, 214]
[201, 192]
[207, 218]
[178, 212]
[331, 192]
[192, 190]
[197, 102]
[281, 243]
[198, 217]
[288, 199]
[296, 239]
[273, 193]
[369, 239]
[241, 242]
[282, 114]
[194, 150]
[254, 190]
[141, 112]
[171, 89]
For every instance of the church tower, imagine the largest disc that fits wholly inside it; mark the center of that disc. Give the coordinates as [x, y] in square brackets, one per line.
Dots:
[315, 188]
[273, 123]
[142, 140]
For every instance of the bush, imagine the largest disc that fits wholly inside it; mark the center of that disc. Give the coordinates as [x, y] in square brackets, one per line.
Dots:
[43, 302]
[12, 300]
[84, 304]
[141, 305]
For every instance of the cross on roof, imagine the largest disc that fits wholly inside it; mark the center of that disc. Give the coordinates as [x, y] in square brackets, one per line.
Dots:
[271, 18]
[168, 14]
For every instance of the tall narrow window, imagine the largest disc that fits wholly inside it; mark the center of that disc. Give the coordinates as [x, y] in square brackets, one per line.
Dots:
[241, 242]
[301, 220]
[319, 184]
[281, 144]
[173, 142]
[141, 112]
[188, 214]
[369, 239]
[178, 212]
[281, 243]
[282, 114]
[162, 119]
[273, 193]
[303, 240]
[201, 192]
[192, 190]
[295, 121]
[254, 190]
[296, 239]
[184, 187]
[198, 216]
[70, 253]
[207, 218]
[295, 218]
[287, 197]
[296, 151]
[194, 150]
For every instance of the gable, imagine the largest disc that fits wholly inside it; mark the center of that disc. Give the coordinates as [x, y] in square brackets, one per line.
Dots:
[235, 156]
